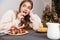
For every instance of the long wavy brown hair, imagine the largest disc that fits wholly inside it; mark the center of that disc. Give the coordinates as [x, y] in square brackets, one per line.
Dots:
[27, 17]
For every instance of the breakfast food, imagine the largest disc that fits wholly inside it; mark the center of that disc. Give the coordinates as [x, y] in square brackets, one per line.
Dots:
[15, 31]
[22, 31]
[42, 29]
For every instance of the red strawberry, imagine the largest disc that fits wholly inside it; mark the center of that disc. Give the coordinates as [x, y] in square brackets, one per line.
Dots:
[22, 30]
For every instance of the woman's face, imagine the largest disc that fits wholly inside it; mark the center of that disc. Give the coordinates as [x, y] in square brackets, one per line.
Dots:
[25, 8]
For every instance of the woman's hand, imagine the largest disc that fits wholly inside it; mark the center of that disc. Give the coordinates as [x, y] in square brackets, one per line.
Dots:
[20, 16]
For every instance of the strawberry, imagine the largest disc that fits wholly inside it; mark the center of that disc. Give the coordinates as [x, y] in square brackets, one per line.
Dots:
[22, 30]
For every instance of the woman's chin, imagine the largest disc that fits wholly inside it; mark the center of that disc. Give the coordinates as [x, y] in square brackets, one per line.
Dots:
[24, 15]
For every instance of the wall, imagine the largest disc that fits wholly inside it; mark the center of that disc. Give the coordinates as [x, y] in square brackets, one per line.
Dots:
[6, 5]
[49, 2]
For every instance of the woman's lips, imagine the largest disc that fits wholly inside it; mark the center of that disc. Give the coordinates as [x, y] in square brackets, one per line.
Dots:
[24, 12]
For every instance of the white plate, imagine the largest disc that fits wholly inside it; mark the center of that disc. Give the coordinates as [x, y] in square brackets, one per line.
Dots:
[17, 33]
[2, 34]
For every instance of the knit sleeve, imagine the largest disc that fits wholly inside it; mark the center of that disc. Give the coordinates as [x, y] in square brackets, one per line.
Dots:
[6, 20]
[36, 21]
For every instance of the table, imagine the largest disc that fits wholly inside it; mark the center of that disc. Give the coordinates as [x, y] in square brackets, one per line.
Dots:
[32, 35]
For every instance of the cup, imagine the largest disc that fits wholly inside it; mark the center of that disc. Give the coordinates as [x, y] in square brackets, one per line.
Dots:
[53, 30]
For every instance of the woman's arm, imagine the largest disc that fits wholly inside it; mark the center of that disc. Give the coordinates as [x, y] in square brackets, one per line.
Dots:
[6, 21]
[36, 21]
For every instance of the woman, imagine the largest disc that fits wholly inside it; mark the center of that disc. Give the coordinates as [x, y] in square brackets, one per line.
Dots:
[20, 18]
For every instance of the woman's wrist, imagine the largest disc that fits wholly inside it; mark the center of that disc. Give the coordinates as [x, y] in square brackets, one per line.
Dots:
[20, 16]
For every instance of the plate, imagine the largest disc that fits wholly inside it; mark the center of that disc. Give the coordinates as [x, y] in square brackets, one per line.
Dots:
[17, 33]
[2, 34]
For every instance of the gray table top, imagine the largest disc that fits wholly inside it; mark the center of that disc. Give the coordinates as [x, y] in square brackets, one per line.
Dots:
[32, 35]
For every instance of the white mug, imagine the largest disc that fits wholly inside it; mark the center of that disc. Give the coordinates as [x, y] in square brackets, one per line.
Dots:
[53, 30]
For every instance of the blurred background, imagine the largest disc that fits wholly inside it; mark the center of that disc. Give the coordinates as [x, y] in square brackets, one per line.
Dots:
[38, 8]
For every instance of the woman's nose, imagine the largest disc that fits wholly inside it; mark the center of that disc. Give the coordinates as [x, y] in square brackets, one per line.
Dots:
[25, 9]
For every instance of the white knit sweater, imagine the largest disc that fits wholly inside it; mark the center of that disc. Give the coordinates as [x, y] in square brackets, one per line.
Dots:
[9, 19]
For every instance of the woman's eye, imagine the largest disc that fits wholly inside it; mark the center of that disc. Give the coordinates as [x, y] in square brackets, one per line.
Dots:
[29, 7]
[24, 5]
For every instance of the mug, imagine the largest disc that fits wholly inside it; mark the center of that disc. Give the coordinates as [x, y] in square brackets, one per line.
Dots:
[53, 30]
